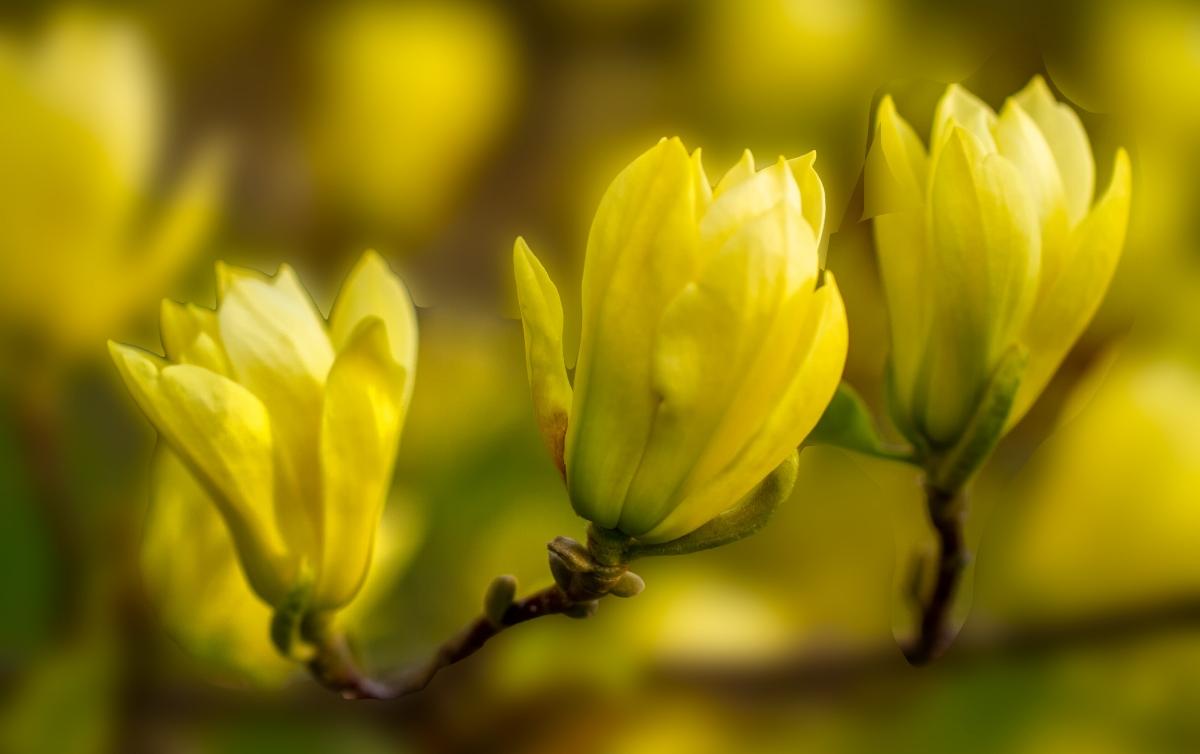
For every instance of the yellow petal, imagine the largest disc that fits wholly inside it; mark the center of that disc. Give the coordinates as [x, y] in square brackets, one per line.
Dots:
[897, 165]
[223, 434]
[895, 179]
[812, 192]
[277, 347]
[542, 322]
[1064, 310]
[191, 335]
[958, 107]
[360, 428]
[192, 576]
[816, 370]
[1068, 142]
[744, 201]
[373, 290]
[984, 259]
[742, 171]
[1020, 141]
[704, 189]
[642, 250]
[724, 356]
[285, 280]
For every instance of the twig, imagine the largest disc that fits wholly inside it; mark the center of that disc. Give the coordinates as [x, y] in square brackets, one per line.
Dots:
[582, 576]
[946, 512]
[334, 665]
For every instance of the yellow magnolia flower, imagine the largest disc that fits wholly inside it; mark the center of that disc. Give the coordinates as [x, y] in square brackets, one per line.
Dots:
[990, 242]
[711, 341]
[289, 423]
[79, 141]
[191, 573]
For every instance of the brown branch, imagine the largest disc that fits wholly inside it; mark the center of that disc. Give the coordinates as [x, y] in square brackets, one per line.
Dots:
[582, 574]
[335, 667]
[935, 631]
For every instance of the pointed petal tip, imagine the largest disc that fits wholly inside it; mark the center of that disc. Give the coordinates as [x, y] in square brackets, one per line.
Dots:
[525, 262]
[130, 360]
[372, 258]
[806, 160]
[1037, 83]
[1120, 184]
[1121, 164]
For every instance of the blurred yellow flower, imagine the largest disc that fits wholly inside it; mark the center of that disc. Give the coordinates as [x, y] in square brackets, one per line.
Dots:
[79, 142]
[289, 423]
[407, 98]
[191, 574]
[711, 341]
[1108, 512]
[988, 243]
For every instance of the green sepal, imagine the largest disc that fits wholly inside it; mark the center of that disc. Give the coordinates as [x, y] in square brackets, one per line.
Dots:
[896, 408]
[287, 619]
[950, 470]
[848, 423]
[747, 517]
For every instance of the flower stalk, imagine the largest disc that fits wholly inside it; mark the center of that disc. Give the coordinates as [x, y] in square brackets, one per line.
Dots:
[583, 575]
[947, 511]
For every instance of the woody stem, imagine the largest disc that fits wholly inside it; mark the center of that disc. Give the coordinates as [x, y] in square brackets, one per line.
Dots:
[946, 513]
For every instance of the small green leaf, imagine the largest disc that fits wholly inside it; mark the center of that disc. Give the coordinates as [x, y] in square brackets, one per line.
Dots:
[744, 519]
[847, 423]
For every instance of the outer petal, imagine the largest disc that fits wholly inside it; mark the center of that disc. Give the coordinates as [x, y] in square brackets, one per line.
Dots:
[373, 290]
[278, 348]
[896, 176]
[192, 575]
[223, 434]
[722, 356]
[1063, 312]
[985, 250]
[1068, 141]
[643, 249]
[958, 107]
[817, 371]
[897, 165]
[542, 321]
[360, 427]
[812, 192]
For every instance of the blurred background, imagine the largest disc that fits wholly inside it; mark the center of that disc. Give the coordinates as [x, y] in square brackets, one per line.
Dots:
[142, 141]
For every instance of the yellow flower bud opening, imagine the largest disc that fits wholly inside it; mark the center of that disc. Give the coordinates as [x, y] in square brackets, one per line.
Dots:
[711, 342]
[287, 422]
[990, 240]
